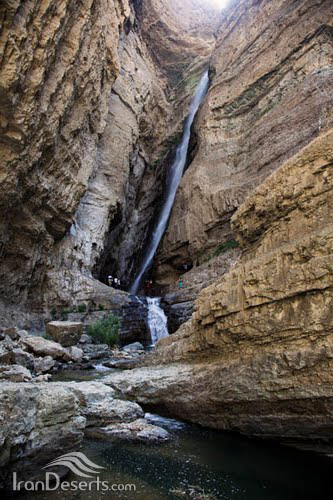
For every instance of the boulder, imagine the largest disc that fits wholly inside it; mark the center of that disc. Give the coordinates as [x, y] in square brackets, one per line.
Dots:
[95, 351]
[131, 348]
[74, 354]
[43, 347]
[44, 423]
[67, 333]
[99, 406]
[8, 343]
[22, 333]
[14, 373]
[85, 339]
[21, 357]
[43, 365]
[138, 431]
[12, 333]
[5, 354]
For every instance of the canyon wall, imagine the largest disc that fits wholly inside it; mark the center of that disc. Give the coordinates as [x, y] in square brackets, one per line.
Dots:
[257, 355]
[85, 94]
[59, 62]
[270, 95]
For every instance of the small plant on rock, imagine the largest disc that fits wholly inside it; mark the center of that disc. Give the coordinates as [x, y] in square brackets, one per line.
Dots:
[106, 330]
[81, 308]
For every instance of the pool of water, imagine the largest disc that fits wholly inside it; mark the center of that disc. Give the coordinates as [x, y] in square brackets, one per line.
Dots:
[207, 465]
[94, 374]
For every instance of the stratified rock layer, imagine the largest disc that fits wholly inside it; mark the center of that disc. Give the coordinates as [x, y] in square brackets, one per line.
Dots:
[85, 96]
[59, 62]
[257, 356]
[270, 96]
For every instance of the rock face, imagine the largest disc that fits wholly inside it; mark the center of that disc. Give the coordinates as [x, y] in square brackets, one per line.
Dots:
[257, 355]
[269, 97]
[85, 95]
[59, 63]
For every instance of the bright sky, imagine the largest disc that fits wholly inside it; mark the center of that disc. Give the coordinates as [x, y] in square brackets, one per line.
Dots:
[219, 3]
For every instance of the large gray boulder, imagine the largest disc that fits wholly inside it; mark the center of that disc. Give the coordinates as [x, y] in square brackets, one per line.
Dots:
[43, 347]
[67, 333]
[38, 423]
[99, 406]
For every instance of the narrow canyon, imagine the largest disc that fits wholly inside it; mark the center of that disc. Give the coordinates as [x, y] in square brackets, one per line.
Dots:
[166, 241]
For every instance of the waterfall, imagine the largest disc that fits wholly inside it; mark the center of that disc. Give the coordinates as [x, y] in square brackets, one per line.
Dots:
[157, 320]
[175, 176]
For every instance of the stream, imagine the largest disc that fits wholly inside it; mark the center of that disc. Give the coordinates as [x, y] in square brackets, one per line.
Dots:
[203, 464]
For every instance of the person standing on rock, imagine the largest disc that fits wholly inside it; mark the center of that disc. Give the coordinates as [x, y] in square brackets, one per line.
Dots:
[181, 283]
[110, 280]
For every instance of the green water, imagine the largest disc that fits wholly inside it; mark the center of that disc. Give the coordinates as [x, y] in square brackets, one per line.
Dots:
[204, 464]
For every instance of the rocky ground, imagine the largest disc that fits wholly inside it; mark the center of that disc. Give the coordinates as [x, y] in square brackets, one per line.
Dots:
[41, 419]
[25, 357]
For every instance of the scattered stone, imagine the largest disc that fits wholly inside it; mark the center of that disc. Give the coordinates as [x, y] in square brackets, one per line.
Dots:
[67, 333]
[123, 364]
[95, 351]
[21, 357]
[14, 373]
[74, 354]
[42, 378]
[138, 431]
[85, 339]
[22, 333]
[43, 347]
[43, 365]
[5, 355]
[8, 343]
[136, 346]
[12, 333]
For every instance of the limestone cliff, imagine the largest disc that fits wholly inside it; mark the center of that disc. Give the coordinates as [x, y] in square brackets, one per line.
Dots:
[270, 96]
[257, 355]
[85, 94]
[58, 64]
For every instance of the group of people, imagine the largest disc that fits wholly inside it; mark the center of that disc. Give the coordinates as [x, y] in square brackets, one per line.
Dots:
[115, 282]
[149, 284]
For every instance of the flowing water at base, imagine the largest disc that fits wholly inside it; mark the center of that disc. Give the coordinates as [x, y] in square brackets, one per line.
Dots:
[206, 465]
[157, 320]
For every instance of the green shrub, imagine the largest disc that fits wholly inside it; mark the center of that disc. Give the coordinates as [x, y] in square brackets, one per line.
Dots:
[101, 307]
[106, 330]
[81, 308]
[225, 246]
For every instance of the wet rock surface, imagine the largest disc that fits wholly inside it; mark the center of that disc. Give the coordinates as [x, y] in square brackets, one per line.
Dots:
[139, 431]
